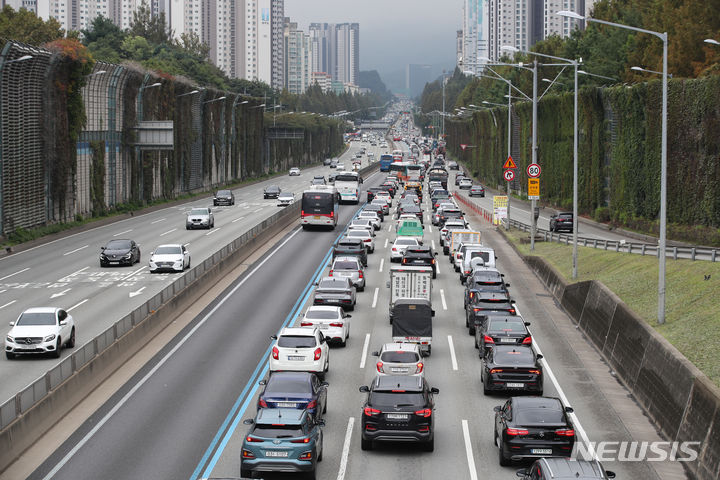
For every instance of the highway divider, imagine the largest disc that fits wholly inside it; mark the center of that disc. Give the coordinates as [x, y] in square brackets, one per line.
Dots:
[33, 411]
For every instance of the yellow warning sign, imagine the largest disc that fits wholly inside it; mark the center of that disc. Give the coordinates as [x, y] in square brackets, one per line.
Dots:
[509, 163]
[533, 188]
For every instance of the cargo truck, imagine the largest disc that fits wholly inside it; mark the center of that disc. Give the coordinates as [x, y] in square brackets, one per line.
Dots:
[409, 282]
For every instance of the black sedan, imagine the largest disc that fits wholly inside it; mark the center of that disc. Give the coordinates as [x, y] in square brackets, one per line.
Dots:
[561, 221]
[533, 427]
[420, 256]
[487, 303]
[271, 191]
[224, 197]
[495, 330]
[513, 368]
[119, 252]
[301, 390]
[338, 292]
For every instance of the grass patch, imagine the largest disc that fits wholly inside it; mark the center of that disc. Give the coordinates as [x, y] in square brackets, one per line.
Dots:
[692, 304]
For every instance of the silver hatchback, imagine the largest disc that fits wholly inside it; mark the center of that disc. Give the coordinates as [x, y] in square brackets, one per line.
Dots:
[350, 268]
[400, 359]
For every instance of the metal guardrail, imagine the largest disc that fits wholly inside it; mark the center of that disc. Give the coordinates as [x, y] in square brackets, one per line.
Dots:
[620, 246]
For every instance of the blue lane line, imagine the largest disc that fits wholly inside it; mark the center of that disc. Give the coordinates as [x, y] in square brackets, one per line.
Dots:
[237, 411]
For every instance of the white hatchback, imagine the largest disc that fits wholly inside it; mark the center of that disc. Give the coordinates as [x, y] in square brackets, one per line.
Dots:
[333, 322]
[299, 349]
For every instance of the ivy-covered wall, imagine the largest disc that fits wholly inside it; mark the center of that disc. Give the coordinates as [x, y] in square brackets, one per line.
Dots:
[618, 154]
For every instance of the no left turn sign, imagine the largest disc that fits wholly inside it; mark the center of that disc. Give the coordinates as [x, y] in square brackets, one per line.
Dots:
[509, 175]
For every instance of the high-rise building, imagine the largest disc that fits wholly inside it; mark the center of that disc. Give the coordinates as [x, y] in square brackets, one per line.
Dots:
[459, 46]
[474, 32]
[298, 58]
[322, 37]
[336, 50]
[555, 24]
[514, 23]
[277, 44]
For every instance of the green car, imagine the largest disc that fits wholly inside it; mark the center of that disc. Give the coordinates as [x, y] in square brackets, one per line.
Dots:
[282, 440]
[411, 228]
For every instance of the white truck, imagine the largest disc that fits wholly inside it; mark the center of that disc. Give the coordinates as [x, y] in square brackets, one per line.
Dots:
[409, 282]
[458, 237]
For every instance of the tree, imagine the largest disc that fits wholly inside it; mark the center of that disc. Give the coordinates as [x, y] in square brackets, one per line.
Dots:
[152, 28]
[24, 26]
[192, 45]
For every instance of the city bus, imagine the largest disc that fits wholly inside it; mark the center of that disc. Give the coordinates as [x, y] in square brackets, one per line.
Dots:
[398, 155]
[348, 186]
[385, 161]
[401, 170]
[319, 207]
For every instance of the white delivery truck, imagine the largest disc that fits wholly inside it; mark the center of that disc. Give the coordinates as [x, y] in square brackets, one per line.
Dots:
[458, 237]
[409, 282]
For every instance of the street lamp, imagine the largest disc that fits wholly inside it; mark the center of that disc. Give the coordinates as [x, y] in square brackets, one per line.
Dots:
[214, 100]
[663, 155]
[188, 93]
[711, 41]
[640, 69]
[583, 72]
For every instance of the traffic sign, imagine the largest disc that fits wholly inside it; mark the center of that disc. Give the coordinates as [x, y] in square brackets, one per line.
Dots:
[533, 170]
[533, 189]
[463, 146]
[509, 163]
[509, 175]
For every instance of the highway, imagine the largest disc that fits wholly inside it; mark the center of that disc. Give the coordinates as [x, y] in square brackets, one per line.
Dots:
[66, 272]
[181, 415]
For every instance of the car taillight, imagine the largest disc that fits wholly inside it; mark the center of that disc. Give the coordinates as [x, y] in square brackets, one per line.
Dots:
[275, 353]
[488, 339]
[379, 366]
[404, 260]
[247, 453]
[419, 367]
[302, 213]
[468, 272]
[360, 274]
[425, 412]
[306, 324]
[527, 340]
[301, 440]
[318, 352]
[472, 295]
[432, 262]
[311, 404]
[477, 310]
[367, 240]
[516, 431]
[565, 433]
[336, 324]
[394, 249]
[332, 214]
[253, 439]
[330, 274]
[511, 311]
[262, 403]
[371, 412]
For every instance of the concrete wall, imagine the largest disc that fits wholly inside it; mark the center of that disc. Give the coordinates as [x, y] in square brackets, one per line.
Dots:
[683, 403]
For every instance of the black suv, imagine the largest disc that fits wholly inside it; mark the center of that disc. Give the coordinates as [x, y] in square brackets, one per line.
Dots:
[420, 256]
[351, 247]
[556, 468]
[533, 427]
[512, 368]
[561, 221]
[484, 281]
[487, 303]
[224, 197]
[398, 408]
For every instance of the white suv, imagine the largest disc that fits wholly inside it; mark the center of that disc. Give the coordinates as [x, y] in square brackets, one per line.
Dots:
[400, 359]
[299, 349]
[333, 322]
[40, 330]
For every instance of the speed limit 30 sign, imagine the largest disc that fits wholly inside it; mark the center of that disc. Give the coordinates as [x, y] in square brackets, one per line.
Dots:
[533, 170]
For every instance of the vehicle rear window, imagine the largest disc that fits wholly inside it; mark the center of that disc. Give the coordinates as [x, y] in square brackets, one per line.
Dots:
[484, 255]
[399, 357]
[224, 192]
[509, 326]
[397, 399]
[345, 265]
[296, 341]
[168, 250]
[513, 356]
[287, 385]
[317, 201]
[406, 241]
[535, 416]
[278, 431]
[321, 314]
[565, 216]
[337, 284]
[358, 233]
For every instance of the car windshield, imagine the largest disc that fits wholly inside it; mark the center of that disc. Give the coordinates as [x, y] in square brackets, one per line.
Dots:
[118, 245]
[296, 341]
[391, 399]
[333, 284]
[511, 326]
[345, 265]
[278, 431]
[224, 193]
[272, 188]
[168, 250]
[358, 233]
[36, 319]
[321, 314]
[287, 385]
[399, 357]
[535, 416]
[199, 211]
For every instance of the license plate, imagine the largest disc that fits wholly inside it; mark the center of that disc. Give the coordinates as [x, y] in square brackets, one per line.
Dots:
[316, 217]
[541, 451]
[286, 404]
[507, 340]
[396, 416]
[296, 357]
[399, 370]
[515, 385]
[113, 263]
[274, 453]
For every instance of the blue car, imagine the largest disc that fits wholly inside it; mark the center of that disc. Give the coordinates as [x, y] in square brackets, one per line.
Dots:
[302, 390]
[282, 440]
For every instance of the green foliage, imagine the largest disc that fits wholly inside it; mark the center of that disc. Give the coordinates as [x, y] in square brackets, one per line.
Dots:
[151, 27]
[371, 79]
[97, 178]
[24, 26]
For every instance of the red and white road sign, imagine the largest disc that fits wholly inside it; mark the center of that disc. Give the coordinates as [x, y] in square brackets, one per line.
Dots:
[509, 163]
[509, 175]
[463, 146]
[533, 170]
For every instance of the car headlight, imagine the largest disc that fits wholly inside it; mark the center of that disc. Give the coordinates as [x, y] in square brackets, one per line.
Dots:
[10, 339]
[49, 338]
[102, 256]
[127, 255]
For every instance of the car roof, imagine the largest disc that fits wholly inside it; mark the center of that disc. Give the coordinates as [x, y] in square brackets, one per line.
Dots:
[40, 310]
[279, 416]
[323, 308]
[398, 382]
[537, 402]
[298, 331]
[567, 468]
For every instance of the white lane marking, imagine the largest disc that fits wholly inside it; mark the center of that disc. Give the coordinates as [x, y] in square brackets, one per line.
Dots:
[19, 271]
[432, 242]
[3, 291]
[72, 274]
[382, 262]
[121, 233]
[437, 265]
[452, 353]
[258, 210]
[76, 305]
[386, 242]
[375, 296]
[365, 350]
[389, 227]
[60, 294]
[76, 250]
[169, 231]
[212, 231]
[157, 221]
[430, 228]
[136, 292]
[237, 219]
[346, 449]
[81, 443]
[133, 273]
[468, 450]
[10, 303]
[442, 297]
[547, 370]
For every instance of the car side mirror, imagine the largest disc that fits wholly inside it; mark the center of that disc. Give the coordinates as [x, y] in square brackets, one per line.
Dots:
[434, 390]
[320, 422]
[375, 354]
[63, 323]
[539, 356]
[273, 337]
[12, 324]
[102, 249]
[325, 384]
[364, 389]
[497, 409]
[527, 324]
[348, 316]
[610, 474]
[432, 313]
[507, 284]
[262, 382]
[248, 421]
[522, 473]
[435, 254]
[569, 410]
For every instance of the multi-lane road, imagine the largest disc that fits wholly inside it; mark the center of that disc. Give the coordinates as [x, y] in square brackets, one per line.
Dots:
[181, 415]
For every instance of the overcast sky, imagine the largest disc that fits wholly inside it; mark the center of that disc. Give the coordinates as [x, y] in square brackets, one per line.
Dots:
[393, 33]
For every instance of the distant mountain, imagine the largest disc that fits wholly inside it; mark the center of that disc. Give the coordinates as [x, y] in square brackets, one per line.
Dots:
[371, 79]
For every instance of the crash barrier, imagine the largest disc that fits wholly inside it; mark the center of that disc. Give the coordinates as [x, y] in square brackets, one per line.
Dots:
[682, 402]
[26, 417]
[620, 246]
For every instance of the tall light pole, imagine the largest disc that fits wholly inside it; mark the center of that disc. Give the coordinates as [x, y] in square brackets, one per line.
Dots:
[140, 116]
[443, 102]
[509, 142]
[663, 154]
